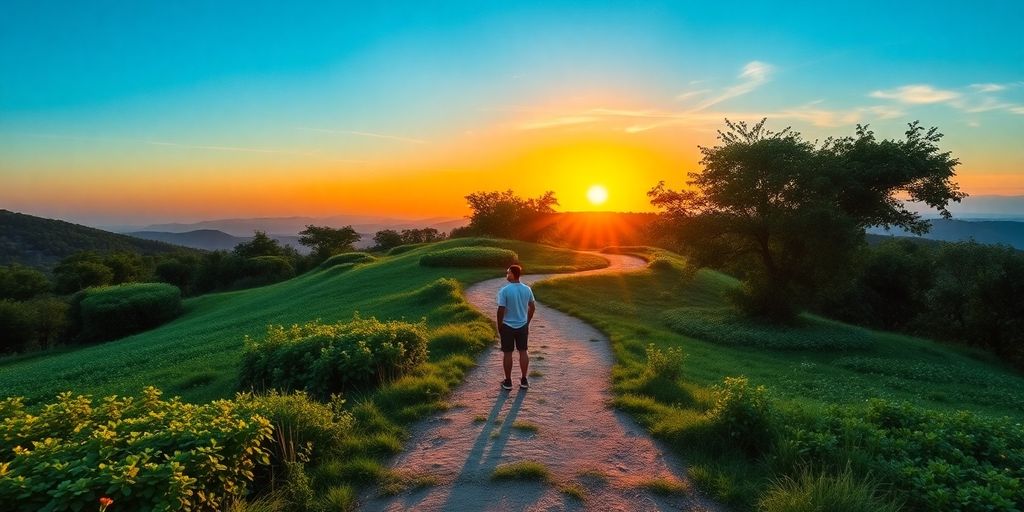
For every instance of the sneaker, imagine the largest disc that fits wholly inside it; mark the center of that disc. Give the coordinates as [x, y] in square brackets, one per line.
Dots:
[523, 383]
[506, 384]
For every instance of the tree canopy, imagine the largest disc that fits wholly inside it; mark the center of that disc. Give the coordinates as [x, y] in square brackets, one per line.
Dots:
[327, 241]
[789, 214]
[506, 215]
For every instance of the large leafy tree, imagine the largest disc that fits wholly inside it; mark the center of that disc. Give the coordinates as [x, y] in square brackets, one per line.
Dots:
[327, 241]
[506, 215]
[788, 214]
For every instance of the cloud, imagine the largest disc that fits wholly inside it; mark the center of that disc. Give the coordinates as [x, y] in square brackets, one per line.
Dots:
[1017, 110]
[363, 134]
[988, 87]
[917, 94]
[754, 74]
[683, 96]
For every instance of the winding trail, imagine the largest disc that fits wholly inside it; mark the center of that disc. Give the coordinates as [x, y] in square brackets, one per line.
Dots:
[578, 436]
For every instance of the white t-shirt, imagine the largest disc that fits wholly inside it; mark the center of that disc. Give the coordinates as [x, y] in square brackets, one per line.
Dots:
[515, 297]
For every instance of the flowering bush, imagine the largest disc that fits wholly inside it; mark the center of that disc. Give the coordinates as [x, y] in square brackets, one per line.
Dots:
[143, 453]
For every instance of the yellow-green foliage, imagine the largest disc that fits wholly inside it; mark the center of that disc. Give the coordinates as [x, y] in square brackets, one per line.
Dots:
[524, 470]
[348, 257]
[143, 452]
[323, 359]
[114, 311]
[470, 257]
[461, 338]
[822, 491]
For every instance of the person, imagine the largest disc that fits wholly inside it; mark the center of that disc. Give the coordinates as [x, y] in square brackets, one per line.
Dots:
[516, 306]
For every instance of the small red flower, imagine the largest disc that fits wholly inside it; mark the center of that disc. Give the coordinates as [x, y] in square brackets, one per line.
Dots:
[105, 502]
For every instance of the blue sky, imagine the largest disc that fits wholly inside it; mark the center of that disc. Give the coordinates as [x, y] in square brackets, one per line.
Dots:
[138, 95]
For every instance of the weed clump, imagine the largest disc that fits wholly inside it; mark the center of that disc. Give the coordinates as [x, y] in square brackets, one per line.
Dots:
[524, 470]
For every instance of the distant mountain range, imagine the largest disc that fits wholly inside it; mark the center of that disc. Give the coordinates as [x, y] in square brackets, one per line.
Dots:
[286, 226]
[42, 243]
[216, 240]
[987, 232]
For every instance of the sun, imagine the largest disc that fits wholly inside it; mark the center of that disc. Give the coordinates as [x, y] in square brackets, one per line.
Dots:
[597, 194]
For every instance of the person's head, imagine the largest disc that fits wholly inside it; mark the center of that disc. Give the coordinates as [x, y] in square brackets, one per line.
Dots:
[513, 273]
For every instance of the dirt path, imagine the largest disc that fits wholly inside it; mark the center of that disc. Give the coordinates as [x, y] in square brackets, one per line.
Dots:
[570, 429]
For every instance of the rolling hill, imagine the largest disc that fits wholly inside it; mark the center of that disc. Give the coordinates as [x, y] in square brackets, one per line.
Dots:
[41, 243]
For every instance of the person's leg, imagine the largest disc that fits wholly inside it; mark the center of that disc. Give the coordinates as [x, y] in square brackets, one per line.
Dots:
[508, 365]
[507, 346]
[524, 362]
[522, 345]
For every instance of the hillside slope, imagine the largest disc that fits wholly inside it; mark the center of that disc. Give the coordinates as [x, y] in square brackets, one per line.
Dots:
[41, 243]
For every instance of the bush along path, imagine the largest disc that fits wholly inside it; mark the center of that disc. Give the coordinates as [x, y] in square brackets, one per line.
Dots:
[557, 446]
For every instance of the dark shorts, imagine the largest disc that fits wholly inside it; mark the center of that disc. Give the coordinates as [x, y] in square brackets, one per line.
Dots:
[514, 339]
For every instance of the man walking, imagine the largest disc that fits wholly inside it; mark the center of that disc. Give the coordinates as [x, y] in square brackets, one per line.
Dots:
[516, 306]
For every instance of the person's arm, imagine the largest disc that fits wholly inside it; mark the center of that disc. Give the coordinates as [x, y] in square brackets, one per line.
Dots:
[501, 317]
[529, 312]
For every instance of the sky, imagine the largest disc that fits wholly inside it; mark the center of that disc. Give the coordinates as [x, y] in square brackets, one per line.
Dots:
[144, 112]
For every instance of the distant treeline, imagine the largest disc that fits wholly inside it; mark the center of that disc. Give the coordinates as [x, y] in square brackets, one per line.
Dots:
[963, 292]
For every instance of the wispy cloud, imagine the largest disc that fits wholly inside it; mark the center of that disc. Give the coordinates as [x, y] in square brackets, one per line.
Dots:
[754, 74]
[917, 94]
[884, 112]
[988, 87]
[1017, 110]
[685, 95]
[363, 134]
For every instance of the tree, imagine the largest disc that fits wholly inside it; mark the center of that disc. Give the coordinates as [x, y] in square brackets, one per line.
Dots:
[505, 215]
[326, 241]
[19, 282]
[792, 213]
[260, 245]
[386, 239]
[80, 271]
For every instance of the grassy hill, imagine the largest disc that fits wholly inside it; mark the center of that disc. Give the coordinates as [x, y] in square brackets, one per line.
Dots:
[806, 410]
[197, 355]
[41, 243]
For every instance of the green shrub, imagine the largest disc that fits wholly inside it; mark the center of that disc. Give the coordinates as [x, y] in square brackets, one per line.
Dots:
[819, 492]
[347, 257]
[401, 249]
[301, 422]
[743, 416]
[470, 257]
[324, 359]
[144, 452]
[263, 270]
[936, 460]
[666, 363]
[726, 327]
[116, 311]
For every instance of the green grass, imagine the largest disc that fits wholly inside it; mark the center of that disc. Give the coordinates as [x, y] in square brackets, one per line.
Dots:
[197, 355]
[526, 426]
[807, 370]
[663, 486]
[524, 470]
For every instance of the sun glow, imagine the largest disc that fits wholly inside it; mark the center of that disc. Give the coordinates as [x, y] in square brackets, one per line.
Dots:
[597, 194]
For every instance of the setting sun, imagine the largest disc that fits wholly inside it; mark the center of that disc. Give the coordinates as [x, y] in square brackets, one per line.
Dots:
[597, 194]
